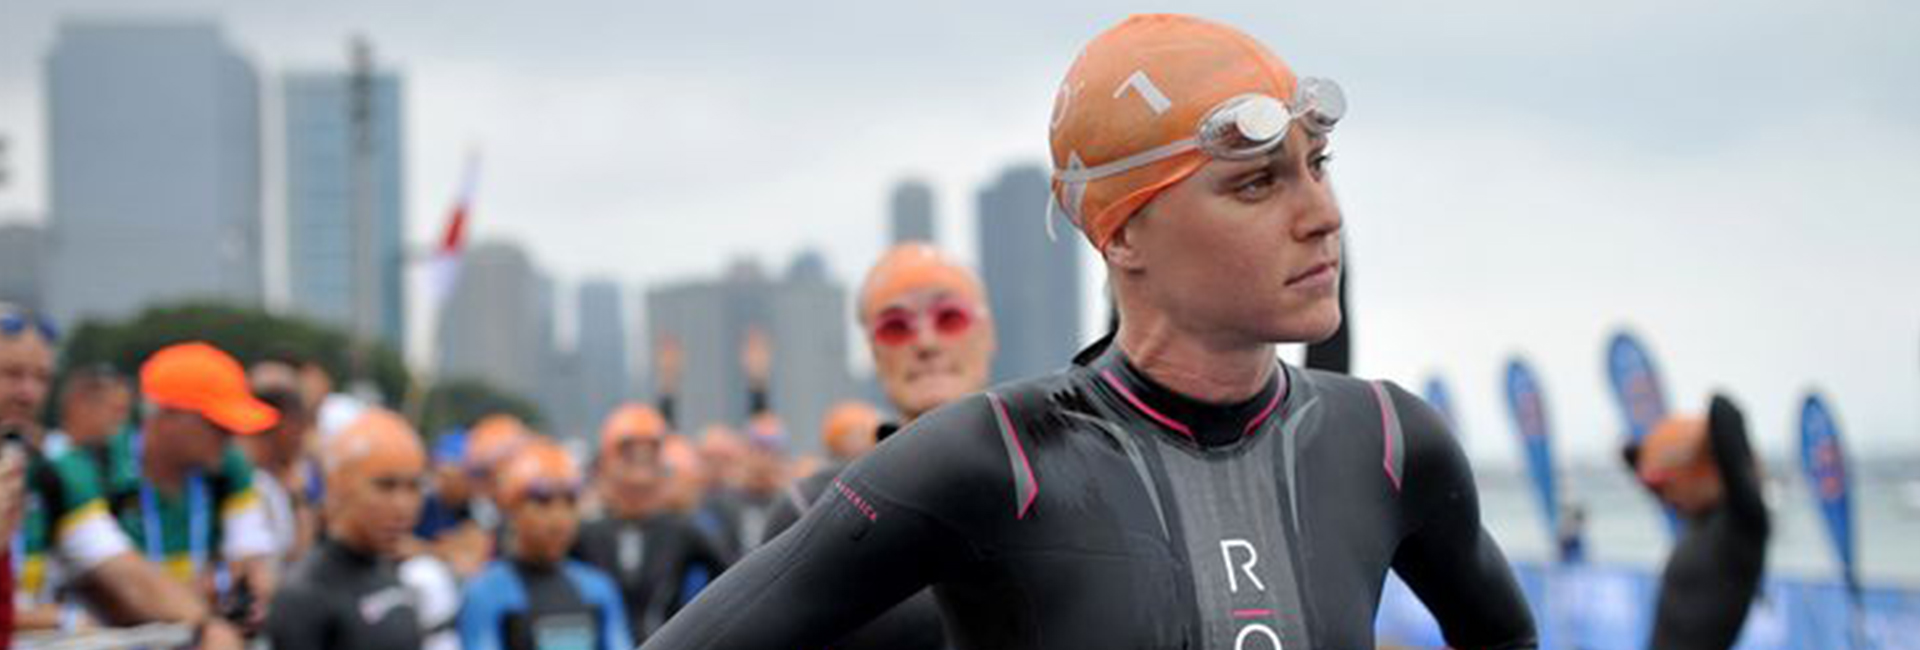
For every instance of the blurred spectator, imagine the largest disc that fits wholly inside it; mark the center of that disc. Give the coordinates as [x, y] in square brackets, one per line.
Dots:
[537, 598]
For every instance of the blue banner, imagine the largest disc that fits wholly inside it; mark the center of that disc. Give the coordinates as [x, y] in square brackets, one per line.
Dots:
[1638, 392]
[1825, 462]
[1530, 418]
[1442, 400]
[1636, 386]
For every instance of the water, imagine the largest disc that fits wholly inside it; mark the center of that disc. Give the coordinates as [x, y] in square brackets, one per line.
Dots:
[1625, 527]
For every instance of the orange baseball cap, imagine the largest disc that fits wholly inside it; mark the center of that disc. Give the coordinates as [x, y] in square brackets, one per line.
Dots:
[1138, 89]
[913, 267]
[378, 442]
[200, 378]
[632, 422]
[541, 467]
[848, 425]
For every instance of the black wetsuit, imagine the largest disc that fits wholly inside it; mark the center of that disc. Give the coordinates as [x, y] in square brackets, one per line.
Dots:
[1715, 570]
[648, 561]
[338, 597]
[913, 624]
[1092, 509]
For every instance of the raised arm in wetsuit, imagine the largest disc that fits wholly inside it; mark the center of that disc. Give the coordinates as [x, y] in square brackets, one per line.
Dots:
[1714, 573]
[1092, 508]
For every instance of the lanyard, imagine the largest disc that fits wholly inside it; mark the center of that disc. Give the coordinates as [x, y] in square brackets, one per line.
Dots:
[199, 532]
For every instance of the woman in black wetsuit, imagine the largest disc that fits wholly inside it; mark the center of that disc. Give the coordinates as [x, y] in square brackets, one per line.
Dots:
[1181, 488]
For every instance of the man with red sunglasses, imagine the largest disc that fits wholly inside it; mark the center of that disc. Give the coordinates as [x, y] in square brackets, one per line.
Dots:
[932, 342]
[1182, 487]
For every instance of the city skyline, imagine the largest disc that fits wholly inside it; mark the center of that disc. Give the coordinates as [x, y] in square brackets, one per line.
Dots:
[1516, 177]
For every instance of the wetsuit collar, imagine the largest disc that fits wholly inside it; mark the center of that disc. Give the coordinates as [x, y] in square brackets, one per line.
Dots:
[347, 554]
[1209, 425]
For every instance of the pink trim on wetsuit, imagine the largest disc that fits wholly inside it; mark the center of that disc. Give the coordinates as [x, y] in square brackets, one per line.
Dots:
[1388, 422]
[1033, 485]
[1142, 406]
[1252, 613]
[1271, 405]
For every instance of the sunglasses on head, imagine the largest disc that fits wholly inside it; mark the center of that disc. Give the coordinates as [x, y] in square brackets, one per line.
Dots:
[12, 323]
[899, 326]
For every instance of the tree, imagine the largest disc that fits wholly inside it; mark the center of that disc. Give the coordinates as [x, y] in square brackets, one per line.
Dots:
[461, 402]
[246, 333]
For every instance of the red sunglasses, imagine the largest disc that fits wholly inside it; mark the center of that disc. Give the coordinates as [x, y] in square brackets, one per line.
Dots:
[899, 326]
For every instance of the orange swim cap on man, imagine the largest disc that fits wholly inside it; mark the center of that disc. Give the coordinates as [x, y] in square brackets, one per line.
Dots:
[494, 438]
[631, 423]
[911, 267]
[538, 467]
[1144, 85]
[849, 428]
[379, 442]
[1675, 449]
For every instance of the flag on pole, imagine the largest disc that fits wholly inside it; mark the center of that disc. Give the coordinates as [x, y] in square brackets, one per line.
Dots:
[1529, 411]
[1825, 462]
[1639, 393]
[443, 267]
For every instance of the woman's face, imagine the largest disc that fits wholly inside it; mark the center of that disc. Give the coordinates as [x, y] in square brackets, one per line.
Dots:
[1246, 249]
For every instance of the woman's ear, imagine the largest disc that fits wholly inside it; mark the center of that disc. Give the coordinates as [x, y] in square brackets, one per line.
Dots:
[1120, 251]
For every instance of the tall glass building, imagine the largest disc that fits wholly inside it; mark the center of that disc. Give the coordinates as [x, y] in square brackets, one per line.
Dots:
[154, 168]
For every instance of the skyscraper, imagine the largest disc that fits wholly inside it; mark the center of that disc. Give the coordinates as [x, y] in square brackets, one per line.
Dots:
[492, 327]
[602, 349]
[804, 314]
[22, 264]
[1033, 284]
[324, 158]
[154, 167]
[911, 212]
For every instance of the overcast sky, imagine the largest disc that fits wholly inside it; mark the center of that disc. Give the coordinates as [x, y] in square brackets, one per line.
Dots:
[1736, 180]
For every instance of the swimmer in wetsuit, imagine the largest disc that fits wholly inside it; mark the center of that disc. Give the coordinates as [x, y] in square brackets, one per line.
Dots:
[1705, 470]
[932, 340]
[347, 592]
[644, 546]
[1183, 488]
[536, 598]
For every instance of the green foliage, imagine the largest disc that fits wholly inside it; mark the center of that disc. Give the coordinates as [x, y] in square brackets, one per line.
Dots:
[461, 402]
[248, 334]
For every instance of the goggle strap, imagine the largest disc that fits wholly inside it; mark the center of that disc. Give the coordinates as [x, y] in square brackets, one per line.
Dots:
[1129, 163]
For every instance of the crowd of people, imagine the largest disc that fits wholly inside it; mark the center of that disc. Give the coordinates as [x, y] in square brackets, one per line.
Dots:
[217, 497]
[1174, 485]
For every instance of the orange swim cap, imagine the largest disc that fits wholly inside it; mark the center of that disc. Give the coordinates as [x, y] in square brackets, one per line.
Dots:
[495, 438]
[632, 422]
[913, 267]
[1675, 449]
[538, 467]
[1144, 85]
[379, 442]
[849, 428]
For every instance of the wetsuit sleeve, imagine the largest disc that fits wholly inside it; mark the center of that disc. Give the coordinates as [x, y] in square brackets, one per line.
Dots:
[901, 518]
[1447, 557]
[1727, 435]
[299, 620]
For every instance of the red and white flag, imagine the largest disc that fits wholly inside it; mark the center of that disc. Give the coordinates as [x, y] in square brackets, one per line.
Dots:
[443, 268]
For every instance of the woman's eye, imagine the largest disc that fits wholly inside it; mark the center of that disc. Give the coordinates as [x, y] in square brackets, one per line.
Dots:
[1319, 163]
[1254, 187]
